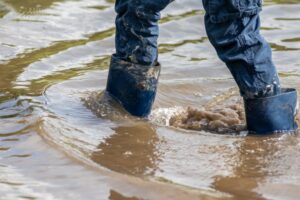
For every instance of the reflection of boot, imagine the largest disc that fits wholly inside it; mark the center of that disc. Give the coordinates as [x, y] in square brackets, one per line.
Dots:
[130, 150]
[133, 85]
[117, 196]
[274, 114]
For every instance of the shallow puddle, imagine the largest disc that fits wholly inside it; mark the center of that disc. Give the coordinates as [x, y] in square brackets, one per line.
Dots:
[62, 138]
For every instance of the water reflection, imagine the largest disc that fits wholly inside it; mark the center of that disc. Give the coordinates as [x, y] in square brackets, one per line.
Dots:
[131, 150]
[252, 167]
[28, 7]
[3, 10]
[282, 1]
[117, 196]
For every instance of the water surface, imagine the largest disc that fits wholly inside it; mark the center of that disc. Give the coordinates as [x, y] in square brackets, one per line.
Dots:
[55, 53]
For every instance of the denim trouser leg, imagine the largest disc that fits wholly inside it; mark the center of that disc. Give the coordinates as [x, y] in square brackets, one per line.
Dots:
[134, 70]
[137, 30]
[233, 28]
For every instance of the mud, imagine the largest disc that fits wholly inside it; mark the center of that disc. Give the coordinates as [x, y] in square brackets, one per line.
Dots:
[219, 119]
[223, 114]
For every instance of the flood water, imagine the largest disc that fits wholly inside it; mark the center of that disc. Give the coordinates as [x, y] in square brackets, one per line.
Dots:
[54, 54]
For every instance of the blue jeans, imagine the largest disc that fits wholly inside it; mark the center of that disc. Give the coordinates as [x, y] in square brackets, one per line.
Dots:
[232, 27]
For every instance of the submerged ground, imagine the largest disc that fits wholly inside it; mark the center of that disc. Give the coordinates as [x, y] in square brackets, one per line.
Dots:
[54, 55]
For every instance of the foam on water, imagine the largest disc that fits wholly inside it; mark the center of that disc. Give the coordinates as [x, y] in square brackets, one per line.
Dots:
[224, 114]
[162, 116]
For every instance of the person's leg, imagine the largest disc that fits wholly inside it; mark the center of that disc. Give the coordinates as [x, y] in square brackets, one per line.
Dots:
[233, 29]
[134, 69]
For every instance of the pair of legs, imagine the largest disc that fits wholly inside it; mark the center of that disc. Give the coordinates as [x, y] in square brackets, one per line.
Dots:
[233, 29]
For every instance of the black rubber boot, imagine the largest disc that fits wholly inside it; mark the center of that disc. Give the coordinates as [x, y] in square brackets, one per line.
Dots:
[273, 114]
[133, 85]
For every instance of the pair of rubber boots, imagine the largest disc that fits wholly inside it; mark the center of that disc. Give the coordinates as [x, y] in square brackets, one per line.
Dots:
[134, 86]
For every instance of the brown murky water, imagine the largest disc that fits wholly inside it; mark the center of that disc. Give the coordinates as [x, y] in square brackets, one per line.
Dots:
[55, 53]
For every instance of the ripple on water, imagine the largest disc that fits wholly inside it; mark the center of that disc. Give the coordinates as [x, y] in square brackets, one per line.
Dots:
[16, 116]
[68, 53]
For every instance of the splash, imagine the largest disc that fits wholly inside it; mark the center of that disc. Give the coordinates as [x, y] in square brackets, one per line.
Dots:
[162, 116]
[230, 119]
[104, 106]
[223, 114]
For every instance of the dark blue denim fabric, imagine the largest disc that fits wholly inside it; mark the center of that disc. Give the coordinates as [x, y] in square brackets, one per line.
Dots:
[232, 27]
[137, 30]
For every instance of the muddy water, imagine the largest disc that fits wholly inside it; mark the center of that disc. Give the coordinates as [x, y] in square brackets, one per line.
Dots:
[54, 55]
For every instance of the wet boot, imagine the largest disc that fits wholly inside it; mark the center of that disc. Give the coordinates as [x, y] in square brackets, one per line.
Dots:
[134, 70]
[273, 114]
[133, 85]
[233, 28]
